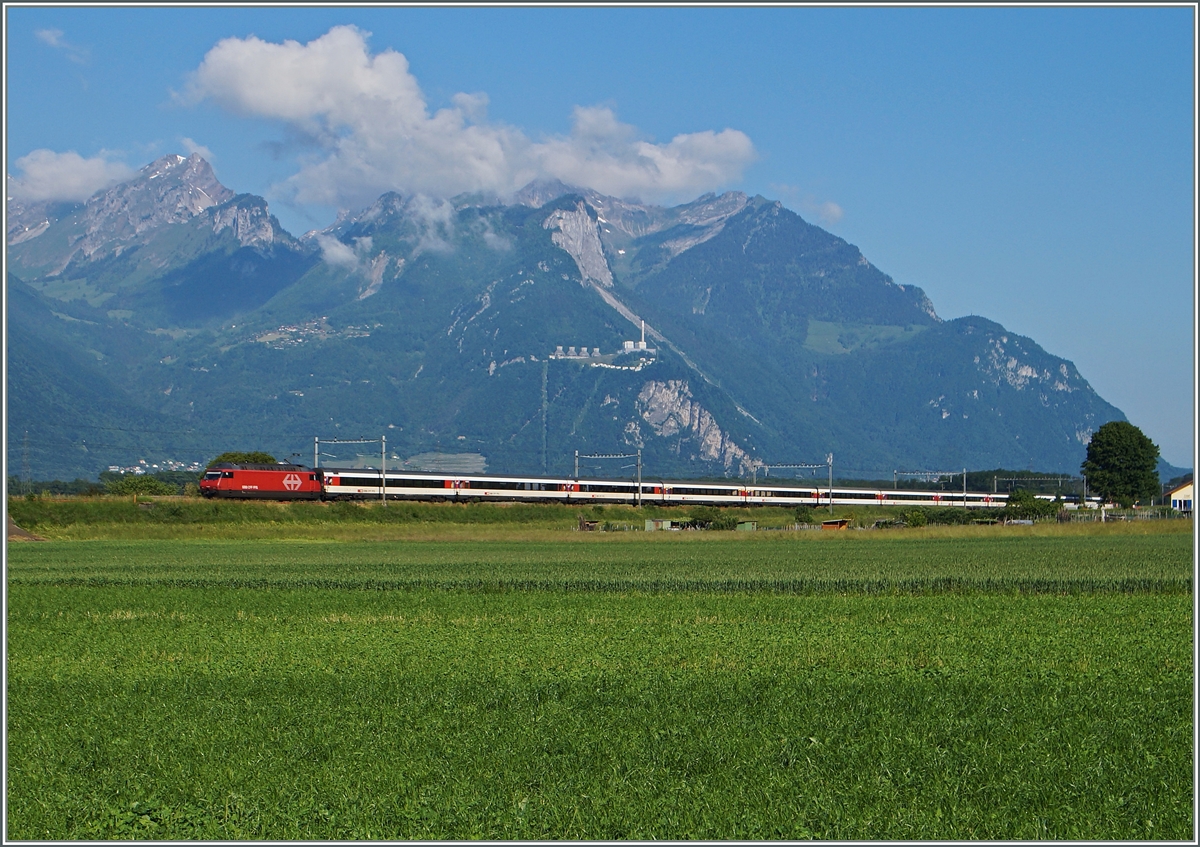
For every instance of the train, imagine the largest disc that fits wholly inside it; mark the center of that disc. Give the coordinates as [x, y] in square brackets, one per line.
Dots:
[285, 481]
[280, 481]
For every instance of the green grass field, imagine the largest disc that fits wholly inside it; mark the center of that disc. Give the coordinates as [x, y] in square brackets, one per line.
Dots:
[518, 682]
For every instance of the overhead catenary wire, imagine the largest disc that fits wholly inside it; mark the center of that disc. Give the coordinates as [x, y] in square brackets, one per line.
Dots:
[382, 440]
[638, 454]
[205, 441]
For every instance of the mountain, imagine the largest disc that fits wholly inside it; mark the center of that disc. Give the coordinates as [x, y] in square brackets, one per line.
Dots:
[172, 244]
[180, 318]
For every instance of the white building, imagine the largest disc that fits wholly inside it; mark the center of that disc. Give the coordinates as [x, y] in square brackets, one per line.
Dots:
[635, 346]
[1181, 498]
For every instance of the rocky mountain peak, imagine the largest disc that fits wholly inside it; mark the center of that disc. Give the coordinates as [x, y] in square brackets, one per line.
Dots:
[576, 232]
[170, 190]
[542, 191]
[388, 207]
[27, 220]
[712, 209]
[634, 219]
[250, 220]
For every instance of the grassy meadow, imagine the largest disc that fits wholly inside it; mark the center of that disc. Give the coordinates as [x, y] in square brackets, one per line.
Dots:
[283, 674]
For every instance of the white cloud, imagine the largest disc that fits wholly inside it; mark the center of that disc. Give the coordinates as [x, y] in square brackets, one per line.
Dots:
[46, 175]
[342, 255]
[192, 147]
[826, 211]
[54, 38]
[494, 240]
[829, 212]
[436, 218]
[375, 132]
[604, 154]
[336, 253]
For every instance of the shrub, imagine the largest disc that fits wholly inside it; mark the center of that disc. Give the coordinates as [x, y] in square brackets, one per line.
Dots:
[710, 517]
[723, 522]
[134, 484]
[915, 517]
[702, 516]
[1022, 505]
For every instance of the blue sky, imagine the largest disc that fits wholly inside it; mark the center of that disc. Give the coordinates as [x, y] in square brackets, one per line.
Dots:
[1031, 165]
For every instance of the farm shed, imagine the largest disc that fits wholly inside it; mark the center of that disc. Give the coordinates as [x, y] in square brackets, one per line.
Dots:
[653, 524]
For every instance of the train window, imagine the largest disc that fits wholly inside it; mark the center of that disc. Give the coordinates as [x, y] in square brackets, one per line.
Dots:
[419, 482]
[213, 475]
[227, 474]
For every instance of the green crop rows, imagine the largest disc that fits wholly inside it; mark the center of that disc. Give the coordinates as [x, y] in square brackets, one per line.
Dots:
[793, 563]
[637, 687]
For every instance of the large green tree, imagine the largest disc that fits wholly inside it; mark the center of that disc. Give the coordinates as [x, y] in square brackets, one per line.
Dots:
[1121, 464]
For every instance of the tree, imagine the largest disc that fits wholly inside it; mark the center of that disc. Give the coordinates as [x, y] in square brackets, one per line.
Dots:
[236, 458]
[1121, 464]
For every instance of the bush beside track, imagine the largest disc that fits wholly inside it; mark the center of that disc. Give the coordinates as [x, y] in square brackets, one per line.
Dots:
[54, 512]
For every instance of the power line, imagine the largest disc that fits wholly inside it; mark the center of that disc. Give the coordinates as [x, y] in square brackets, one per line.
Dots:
[638, 454]
[1058, 479]
[766, 466]
[827, 463]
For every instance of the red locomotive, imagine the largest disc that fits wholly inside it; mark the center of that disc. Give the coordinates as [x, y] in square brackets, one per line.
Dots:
[264, 482]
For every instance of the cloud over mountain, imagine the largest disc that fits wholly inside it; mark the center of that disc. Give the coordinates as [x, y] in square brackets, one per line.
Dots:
[47, 175]
[374, 131]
